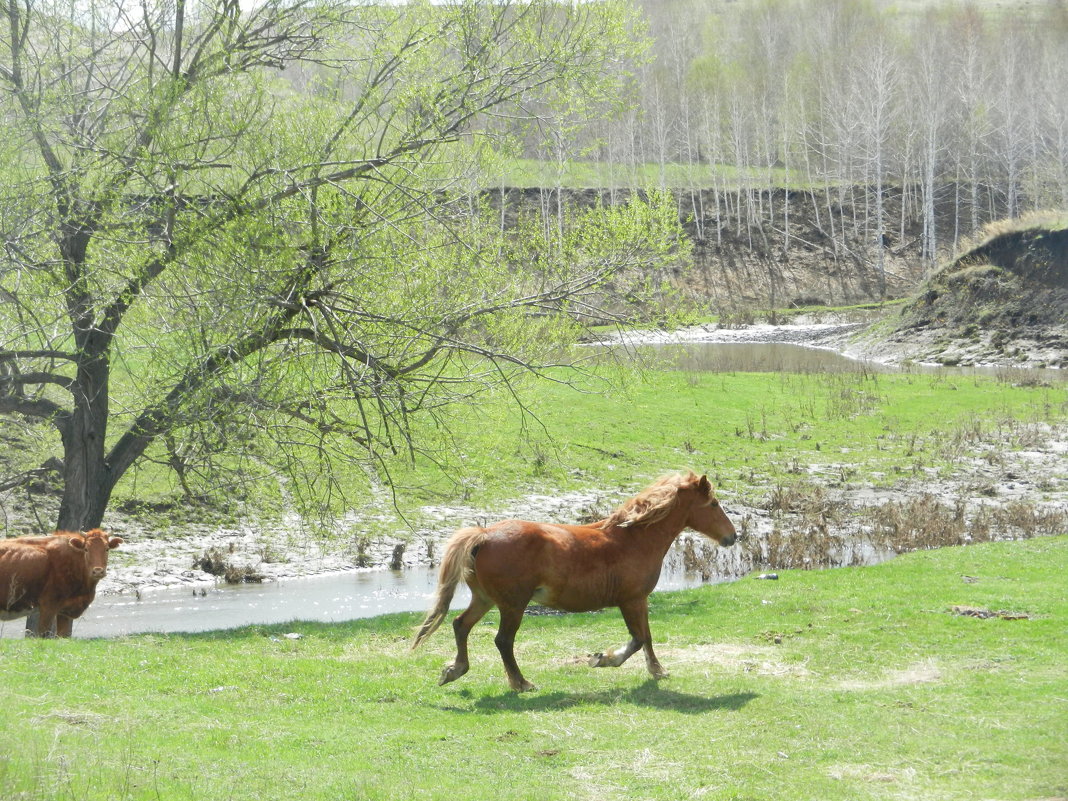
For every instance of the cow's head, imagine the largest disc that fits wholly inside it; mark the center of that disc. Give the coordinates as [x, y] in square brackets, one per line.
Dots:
[96, 545]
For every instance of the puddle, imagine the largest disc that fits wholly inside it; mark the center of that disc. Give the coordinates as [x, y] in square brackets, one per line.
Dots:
[782, 357]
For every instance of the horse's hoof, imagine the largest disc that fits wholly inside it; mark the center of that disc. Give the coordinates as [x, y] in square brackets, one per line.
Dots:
[451, 673]
[597, 660]
[524, 687]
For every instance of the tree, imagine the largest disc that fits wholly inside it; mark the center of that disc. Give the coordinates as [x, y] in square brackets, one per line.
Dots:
[245, 229]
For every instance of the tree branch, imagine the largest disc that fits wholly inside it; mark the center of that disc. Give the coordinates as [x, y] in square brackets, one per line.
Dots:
[41, 408]
[15, 355]
[24, 379]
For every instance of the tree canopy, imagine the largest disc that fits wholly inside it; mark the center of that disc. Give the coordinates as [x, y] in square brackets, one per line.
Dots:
[255, 229]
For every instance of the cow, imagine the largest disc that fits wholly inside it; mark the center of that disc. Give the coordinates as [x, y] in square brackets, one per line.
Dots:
[56, 575]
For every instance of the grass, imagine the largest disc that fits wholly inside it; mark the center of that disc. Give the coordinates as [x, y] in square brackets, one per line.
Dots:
[1043, 220]
[748, 430]
[853, 683]
[614, 431]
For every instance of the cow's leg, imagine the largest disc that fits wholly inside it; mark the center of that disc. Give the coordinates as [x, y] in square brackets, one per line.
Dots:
[46, 622]
[511, 618]
[461, 627]
[64, 626]
[33, 620]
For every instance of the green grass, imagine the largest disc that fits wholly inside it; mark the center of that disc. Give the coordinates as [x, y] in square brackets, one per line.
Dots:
[748, 430]
[853, 683]
[617, 431]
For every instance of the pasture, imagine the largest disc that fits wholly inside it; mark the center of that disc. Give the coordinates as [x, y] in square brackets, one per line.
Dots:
[853, 683]
[615, 430]
[753, 433]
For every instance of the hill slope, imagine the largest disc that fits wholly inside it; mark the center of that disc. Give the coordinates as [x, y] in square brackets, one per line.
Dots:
[1004, 301]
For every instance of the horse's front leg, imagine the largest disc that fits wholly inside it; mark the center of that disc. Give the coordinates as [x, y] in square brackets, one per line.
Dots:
[636, 616]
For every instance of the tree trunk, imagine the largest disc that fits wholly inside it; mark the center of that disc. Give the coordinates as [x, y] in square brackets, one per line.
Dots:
[87, 479]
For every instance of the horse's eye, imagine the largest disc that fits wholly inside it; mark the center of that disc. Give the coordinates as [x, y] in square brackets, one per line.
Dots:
[713, 503]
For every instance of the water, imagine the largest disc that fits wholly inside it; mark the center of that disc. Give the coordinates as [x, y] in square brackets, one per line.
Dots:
[779, 357]
[753, 357]
[330, 598]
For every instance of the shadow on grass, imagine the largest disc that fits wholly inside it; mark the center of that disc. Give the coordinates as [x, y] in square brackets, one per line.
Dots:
[650, 694]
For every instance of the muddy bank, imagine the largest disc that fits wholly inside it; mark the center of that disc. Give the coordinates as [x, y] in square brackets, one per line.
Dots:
[863, 341]
[802, 331]
[287, 549]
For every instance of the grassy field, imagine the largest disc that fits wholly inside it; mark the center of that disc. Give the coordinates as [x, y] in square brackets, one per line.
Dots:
[614, 430]
[853, 683]
[747, 430]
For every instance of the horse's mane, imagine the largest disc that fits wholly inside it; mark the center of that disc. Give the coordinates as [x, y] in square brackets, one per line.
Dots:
[651, 504]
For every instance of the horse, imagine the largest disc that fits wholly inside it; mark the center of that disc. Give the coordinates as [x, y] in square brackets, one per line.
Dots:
[579, 568]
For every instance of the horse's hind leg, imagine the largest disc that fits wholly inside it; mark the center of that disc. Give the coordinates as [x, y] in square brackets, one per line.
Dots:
[511, 618]
[461, 627]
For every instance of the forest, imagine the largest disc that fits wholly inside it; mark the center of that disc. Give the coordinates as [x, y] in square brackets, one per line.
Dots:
[897, 128]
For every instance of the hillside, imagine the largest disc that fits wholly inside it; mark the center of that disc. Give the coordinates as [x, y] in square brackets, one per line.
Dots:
[1003, 301]
[775, 248]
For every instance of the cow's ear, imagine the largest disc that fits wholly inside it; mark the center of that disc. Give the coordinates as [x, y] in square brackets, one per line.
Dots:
[77, 542]
[114, 542]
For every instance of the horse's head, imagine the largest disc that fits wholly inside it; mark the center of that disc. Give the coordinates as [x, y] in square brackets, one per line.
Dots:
[707, 516]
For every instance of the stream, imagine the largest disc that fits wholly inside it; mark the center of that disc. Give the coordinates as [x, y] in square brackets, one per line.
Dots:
[327, 598]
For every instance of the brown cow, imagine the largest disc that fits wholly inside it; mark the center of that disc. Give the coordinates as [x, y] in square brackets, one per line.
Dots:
[56, 575]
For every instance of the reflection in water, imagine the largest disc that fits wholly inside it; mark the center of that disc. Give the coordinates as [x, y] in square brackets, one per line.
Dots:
[780, 357]
[763, 357]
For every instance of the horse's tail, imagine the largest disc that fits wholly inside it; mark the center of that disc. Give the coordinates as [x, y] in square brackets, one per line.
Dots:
[456, 565]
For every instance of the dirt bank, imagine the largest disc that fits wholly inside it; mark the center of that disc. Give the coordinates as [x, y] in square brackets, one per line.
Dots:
[1003, 302]
[768, 248]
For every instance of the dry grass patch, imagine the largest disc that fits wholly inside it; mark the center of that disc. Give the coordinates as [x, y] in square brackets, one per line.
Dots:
[925, 672]
[89, 720]
[734, 658]
[871, 774]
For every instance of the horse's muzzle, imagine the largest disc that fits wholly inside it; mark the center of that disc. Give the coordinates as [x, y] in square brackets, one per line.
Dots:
[728, 540]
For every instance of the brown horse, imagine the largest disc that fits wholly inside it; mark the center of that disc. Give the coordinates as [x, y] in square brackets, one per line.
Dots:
[614, 562]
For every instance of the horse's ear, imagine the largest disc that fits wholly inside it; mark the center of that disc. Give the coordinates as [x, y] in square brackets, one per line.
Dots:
[705, 485]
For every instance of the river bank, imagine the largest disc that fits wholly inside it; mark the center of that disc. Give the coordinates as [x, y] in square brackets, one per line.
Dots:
[1025, 476]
